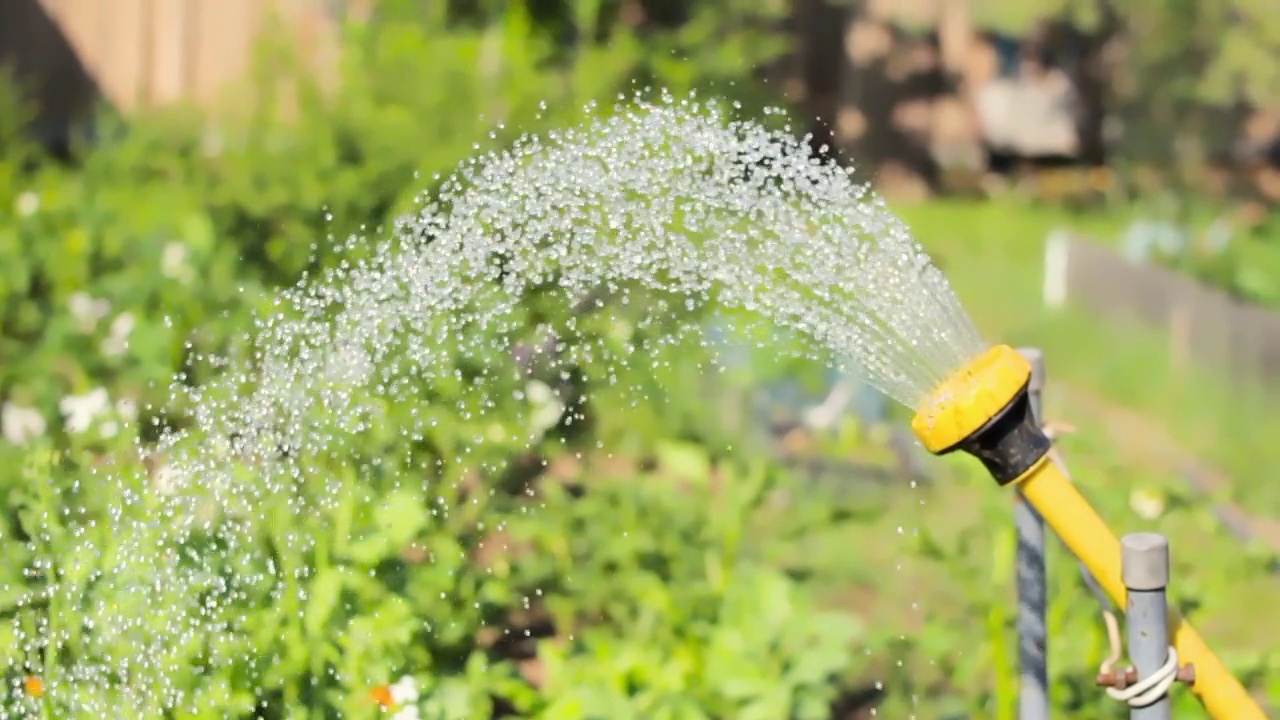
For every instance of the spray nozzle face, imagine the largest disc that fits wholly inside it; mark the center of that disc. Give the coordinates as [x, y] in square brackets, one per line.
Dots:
[984, 409]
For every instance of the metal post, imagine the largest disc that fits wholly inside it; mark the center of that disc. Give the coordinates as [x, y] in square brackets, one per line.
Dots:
[1033, 683]
[1144, 569]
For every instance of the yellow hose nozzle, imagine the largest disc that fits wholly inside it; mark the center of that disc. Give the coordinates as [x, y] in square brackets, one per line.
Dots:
[970, 397]
[983, 410]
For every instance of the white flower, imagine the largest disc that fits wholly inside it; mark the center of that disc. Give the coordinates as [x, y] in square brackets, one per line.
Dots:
[1148, 503]
[173, 263]
[26, 204]
[164, 479]
[405, 691]
[212, 143]
[87, 310]
[408, 712]
[546, 407]
[621, 329]
[81, 410]
[117, 342]
[127, 409]
[21, 424]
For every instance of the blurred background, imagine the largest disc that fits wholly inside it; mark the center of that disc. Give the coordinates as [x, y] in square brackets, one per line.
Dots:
[1099, 179]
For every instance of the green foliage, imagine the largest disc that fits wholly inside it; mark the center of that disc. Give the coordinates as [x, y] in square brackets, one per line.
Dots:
[153, 250]
[641, 603]
[179, 223]
[696, 633]
[1210, 51]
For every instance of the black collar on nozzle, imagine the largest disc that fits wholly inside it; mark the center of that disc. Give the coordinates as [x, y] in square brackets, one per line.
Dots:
[1010, 443]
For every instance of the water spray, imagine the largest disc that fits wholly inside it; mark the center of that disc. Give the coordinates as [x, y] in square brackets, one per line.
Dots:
[983, 409]
[671, 204]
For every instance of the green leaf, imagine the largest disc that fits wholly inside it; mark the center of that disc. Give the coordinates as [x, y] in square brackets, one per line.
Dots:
[401, 515]
[323, 595]
[685, 461]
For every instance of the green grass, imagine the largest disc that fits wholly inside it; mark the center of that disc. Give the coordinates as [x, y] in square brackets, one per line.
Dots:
[993, 255]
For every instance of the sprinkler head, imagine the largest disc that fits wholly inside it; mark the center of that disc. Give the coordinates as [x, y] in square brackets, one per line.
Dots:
[983, 409]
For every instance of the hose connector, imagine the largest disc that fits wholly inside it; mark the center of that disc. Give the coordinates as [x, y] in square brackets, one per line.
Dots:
[984, 410]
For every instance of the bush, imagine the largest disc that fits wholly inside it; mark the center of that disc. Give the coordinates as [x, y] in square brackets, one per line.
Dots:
[181, 219]
[150, 254]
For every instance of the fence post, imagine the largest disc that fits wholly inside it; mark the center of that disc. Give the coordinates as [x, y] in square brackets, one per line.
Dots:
[1145, 571]
[1033, 682]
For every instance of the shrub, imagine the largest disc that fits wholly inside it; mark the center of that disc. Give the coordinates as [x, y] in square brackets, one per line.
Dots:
[150, 253]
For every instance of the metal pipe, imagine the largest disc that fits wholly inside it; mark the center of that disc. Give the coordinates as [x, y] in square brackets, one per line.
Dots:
[1144, 566]
[1085, 534]
[1033, 672]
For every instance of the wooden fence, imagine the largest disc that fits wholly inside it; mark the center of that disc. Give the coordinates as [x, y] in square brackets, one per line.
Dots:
[71, 54]
[1203, 325]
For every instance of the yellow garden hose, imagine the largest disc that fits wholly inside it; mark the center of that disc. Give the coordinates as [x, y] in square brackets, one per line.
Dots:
[983, 409]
